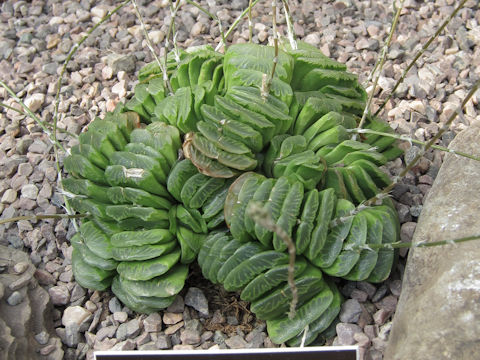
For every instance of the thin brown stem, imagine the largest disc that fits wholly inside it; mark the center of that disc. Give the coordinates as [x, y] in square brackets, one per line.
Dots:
[265, 90]
[237, 21]
[420, 53]
[291, 32]
[42, 217]
[261, 216]
[414, 141]
[250, 22]
[32, 115]
[385, 192]
[213, 16]
[150, 46]
[379, 66]
[421, 244]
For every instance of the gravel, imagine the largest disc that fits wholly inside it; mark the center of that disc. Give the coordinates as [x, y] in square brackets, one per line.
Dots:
[35, 40]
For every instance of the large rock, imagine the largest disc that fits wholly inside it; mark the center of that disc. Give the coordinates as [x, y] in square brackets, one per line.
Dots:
[438, 314]
[30, 316]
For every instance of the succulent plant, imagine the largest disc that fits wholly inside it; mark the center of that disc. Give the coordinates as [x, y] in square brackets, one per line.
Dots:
[169, 178]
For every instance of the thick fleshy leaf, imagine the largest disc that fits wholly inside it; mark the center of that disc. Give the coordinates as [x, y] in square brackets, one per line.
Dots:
[353, 188]
[313, 110]
[289, 213]
[261, 195]
[327, 201]
[237, 112]
[148, 269]
[237, 220]
[323, 322]
[318, 78]
[390, 234]
[328, 121]
[368, 257]
[79, 166]
[96, 240]
[126, 195]
[220, 252]
[205, 192]
[336, 236]
[190, 244]
[274, 207]
[283, 329]
[87, 188]
[122, 212]
[99, 141]
[272, 108]
[92, 207]
[137, 161]
[347, 258]
[181, 172]
[137, 238]
[304, 229]
[270, 279]
[378, 176]
[204, 164]
[260, 58]
[233, 128]
[90, 153]
[111, 130]
[89, 257]
[143, 252]
[249, 77]
[166, 285]
[88, 276]
[140, 304]
[277, 302]
[214, 204]
[118, 175]
[207, 246]
[191, 186]
[210, 149]
[250, 268]
[240, 255]
[192, 219]
[211, 133]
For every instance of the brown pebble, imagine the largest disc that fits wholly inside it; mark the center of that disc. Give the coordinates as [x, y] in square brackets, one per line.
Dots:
[174, 328]
[381, 316]
[44, 277]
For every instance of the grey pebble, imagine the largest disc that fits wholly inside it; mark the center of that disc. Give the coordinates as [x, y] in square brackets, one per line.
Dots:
[163, 342]
[107, 331]
[129, 329]
[370, 289]
[15, 298]
[236, 342]
[177, 306]
[59, 295]
[42, 337]
[190, 336]
[415, 210]
[72, 334]
[193, 324]
[219, 337]
[9, 196]
[350, 311]
[114, 305]
[153, 323]
[380, 293]
[345, 333]
[196, 299]
[119, 62]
